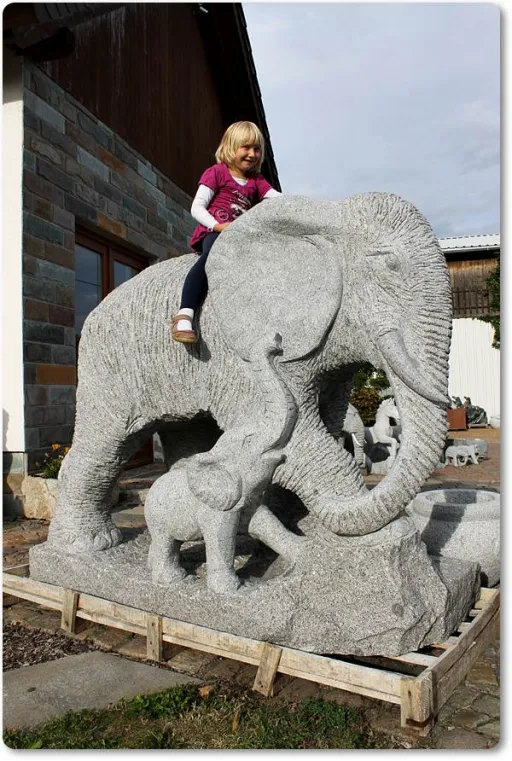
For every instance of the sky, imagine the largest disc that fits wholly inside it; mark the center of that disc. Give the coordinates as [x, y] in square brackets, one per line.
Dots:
[395, 97]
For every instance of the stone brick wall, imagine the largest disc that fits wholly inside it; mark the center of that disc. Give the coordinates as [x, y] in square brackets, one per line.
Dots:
[76, 170]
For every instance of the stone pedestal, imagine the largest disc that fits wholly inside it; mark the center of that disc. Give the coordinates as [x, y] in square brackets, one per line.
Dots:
[378, 594]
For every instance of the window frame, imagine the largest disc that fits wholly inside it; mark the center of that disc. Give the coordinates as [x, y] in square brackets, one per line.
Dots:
[111, 251]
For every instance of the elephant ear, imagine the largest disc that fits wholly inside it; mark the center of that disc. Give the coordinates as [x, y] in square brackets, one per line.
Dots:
[213, 485]
[272, 270]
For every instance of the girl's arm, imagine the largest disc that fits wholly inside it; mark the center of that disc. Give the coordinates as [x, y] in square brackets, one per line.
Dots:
[199, 208]
[272, 193]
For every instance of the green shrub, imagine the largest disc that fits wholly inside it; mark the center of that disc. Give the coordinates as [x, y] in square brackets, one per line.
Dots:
[366, 401]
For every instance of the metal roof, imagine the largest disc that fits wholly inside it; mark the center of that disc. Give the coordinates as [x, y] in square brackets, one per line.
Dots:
[464, 242]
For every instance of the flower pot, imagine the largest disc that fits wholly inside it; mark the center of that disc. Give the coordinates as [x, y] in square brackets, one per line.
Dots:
[461, 523]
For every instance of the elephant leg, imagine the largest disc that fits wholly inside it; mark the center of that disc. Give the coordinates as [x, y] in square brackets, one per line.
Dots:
[164, 559]
[98, 454]
[219, 530]
[268, 529]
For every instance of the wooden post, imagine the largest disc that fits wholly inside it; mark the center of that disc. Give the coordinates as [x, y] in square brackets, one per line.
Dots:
[69, 606]
[270, 657]
[417, 703]
[154, 637]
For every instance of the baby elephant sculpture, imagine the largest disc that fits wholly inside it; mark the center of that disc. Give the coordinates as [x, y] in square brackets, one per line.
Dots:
[459, 455]
[203, 498]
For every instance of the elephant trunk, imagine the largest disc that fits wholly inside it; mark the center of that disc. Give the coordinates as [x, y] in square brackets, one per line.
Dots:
[280, 409]
[333, 488]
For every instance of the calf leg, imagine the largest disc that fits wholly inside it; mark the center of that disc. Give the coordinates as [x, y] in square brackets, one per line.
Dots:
[268, 529]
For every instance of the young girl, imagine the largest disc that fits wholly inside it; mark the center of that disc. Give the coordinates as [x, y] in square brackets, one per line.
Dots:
[227, 189]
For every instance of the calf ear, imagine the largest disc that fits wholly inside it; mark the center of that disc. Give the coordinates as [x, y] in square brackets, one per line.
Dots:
[214, 485]
[273, 271]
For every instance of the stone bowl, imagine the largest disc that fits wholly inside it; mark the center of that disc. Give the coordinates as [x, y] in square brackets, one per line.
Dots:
[461, 523]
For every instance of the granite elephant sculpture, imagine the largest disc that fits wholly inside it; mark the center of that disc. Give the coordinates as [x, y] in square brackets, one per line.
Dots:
[354, 427]
[459, 455]
[203, 499]
[360, 280]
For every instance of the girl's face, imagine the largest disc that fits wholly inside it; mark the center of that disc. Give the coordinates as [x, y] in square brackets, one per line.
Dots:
[246, 158]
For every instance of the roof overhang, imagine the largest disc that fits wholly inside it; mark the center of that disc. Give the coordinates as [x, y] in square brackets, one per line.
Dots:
[43, 31]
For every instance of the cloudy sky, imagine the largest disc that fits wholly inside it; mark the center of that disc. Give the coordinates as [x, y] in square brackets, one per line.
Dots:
[400, 97]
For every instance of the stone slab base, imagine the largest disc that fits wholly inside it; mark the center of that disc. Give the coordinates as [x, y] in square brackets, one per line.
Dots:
[375, 595]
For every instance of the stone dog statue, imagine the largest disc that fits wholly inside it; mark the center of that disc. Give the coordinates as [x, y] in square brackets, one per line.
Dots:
[344, 283]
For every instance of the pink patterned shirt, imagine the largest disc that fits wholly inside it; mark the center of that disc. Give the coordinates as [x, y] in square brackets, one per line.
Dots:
[230, 199]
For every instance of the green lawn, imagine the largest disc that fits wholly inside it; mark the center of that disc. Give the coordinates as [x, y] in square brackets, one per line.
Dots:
[210, 717]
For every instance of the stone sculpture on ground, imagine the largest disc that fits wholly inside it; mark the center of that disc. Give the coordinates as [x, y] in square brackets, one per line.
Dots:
[354, 427]
[461, 455]
[363, 280]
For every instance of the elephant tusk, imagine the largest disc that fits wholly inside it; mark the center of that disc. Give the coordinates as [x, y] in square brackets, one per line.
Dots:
[393, 349]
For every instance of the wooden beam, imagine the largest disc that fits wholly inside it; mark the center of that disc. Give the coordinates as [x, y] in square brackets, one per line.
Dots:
[154, 637]
[267, 670]
[69, 608]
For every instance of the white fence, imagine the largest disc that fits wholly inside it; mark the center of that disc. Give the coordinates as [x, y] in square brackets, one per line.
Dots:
[475, 365]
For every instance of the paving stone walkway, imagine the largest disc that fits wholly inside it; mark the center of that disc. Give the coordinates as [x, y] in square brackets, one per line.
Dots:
[470, 719]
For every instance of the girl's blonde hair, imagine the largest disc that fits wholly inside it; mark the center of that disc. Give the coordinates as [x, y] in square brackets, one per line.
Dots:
[237, 134]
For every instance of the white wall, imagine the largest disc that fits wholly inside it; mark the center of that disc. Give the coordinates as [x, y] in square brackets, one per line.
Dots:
[475, 365]
[12, 287]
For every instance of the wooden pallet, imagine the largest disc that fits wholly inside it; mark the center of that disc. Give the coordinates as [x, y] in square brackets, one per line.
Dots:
[419, 682]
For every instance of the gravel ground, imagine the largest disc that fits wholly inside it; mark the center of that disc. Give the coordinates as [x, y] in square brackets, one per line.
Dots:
[25, 647]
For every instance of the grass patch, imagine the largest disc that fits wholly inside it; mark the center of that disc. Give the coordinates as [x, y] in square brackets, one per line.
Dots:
[211, 717]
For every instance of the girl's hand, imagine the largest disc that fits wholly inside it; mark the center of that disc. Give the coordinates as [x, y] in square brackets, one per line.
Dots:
[220, 227]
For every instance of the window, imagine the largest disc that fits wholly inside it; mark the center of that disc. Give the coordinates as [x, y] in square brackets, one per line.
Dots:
[100, 266]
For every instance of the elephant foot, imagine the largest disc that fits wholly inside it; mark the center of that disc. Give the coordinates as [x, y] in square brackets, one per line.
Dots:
[164, 574]
[222, 582]
[79, 538]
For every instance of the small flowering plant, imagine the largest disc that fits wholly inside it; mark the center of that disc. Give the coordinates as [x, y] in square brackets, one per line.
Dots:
[53, 461]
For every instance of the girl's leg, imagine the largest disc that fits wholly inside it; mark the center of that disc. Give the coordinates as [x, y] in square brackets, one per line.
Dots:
[195, 286]
[194, 291]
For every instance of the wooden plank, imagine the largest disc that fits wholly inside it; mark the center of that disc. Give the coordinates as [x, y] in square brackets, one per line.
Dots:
[270, 657]
[335, 673]
[350, 677]
[450, 656]
[416, 659]
[447, 683]
[410, 659]
[114, 623]
[69, 606]
[212, 641]
[485, 595]
[417, 703]
[447, 644]
[154, 637]
[95, 606]
[18, 570]
[47, 595]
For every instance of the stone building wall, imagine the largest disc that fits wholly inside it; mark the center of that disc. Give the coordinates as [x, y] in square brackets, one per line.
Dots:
[77, 171]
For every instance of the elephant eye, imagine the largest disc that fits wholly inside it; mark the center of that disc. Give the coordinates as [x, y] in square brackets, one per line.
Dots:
[392, 262]
[386, 256]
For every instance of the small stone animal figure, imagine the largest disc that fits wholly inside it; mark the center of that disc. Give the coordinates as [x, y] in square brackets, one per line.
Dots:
[459, 455]
[382, 431]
